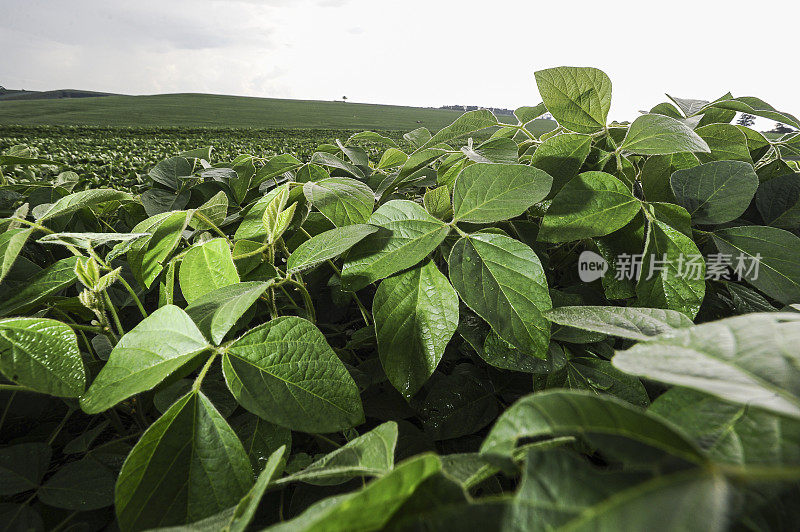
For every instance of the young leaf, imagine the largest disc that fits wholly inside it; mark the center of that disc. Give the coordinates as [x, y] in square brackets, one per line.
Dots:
[371, 454]
[416, 314]
[561, 157]
[625, 322]
[341, 200]
[579, 98]
[148, 354]
[661, 135]
[467, 123]
[406, 235]
[437, 202]
[672, 272]
[770, 259]
[746, 359]
[187, 466]
[42, 354]
[217, 311]
[81, 200]
[148, 256]
[327, 245]
[590, 205]
[285, 372]
[11, 243]
[206, 268]
[502, 280]
[715, 192]
[52, 279]
[561, 412]
[485, 193]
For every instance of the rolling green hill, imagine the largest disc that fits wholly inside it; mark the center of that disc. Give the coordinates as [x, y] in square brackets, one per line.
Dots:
[207, 110]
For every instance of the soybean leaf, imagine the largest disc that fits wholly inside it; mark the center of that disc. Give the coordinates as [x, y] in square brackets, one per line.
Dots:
[145, 356]
[406, 235]
[656, 173]
[43, 284]
[246, 509]
[561, 157]
[171, 172]
[261, 439]
[342, 200]
[755, 106]
[369, 455]
[626, 322]
[285, 372]
[485, 193]
[770, 259]
[726, 141]
[148, 255]
[11, 243]
[371, 136]
[778, 201]
[499, 150]
[745, 359]
[252, 225]
[205, 268]
[369, 508]
[672, 272]
[89, 240]
[22, 467]
[501, 354]
[187, 466]
[561, 412]
[599, 376]
[214, 210]
[158, 200]
[590, 205]
[42, 354]
[715, 192]
[81, 200]
[416, 314]
[730, 432]
[502, 280]
[653, 134]
[327, 159]
[579, 98]
[327, 245]
[82, 486]
[217, 311]
[467, 123]
[274, 167]
[391, 158]
[437, 202]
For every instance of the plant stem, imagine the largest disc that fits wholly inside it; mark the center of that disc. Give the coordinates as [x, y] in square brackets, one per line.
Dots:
[6, 409]
[133, 295]
[16, 388]
[205, 220]
[60, 426]
[200, 376]
[309, 304]
[114, 315]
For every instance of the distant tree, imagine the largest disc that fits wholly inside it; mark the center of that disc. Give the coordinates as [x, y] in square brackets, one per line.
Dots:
[344, 99]
[781, 128]
[746, 120]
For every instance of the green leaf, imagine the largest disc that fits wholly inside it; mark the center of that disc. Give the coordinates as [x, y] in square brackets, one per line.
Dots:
[89, 240]
[416, 314]
[726, 141]
[252, 225]
[672, 272]
[246, 509]
[217, 311]
[145, 356]
[342, 200]
[274, 167]
[755, 106]
[187, 466]
[369, 455]
[485, 193]
[591, 204]
[656, 173]
[392, 158]
[171, 172]
[625, 322]
[327, 159]
[561, 412]
[467, 123]
[730, 432]
[327, 245]
[22, 467]
[498, 150]
[52, 279]
[215, 210]
[373, 137]
[406, 235]
[502, 280]
[205, 268]
[579, 98]
[599, 376]
[148, 255]
[81, 200]
[285, 372]
[561, 157]
[689, 500]
[778, 201]
[369, 508]
[775, 252]
[661, 135]
[715, 192]
[746, 359]
[82, 486]
[500, 354]
[437, 202]
[42, 354]
[11, 243]
[558, 486]
[260, 439]
[277, 216]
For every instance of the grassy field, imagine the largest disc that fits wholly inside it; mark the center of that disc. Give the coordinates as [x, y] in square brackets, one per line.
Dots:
[207, 110]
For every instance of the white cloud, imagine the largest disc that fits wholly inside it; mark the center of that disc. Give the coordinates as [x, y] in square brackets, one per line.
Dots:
[408, 52]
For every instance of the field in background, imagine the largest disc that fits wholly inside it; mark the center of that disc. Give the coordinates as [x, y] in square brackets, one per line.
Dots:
[207, 110]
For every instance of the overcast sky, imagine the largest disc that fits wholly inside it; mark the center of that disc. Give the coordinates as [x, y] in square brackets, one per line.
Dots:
[426, 53]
